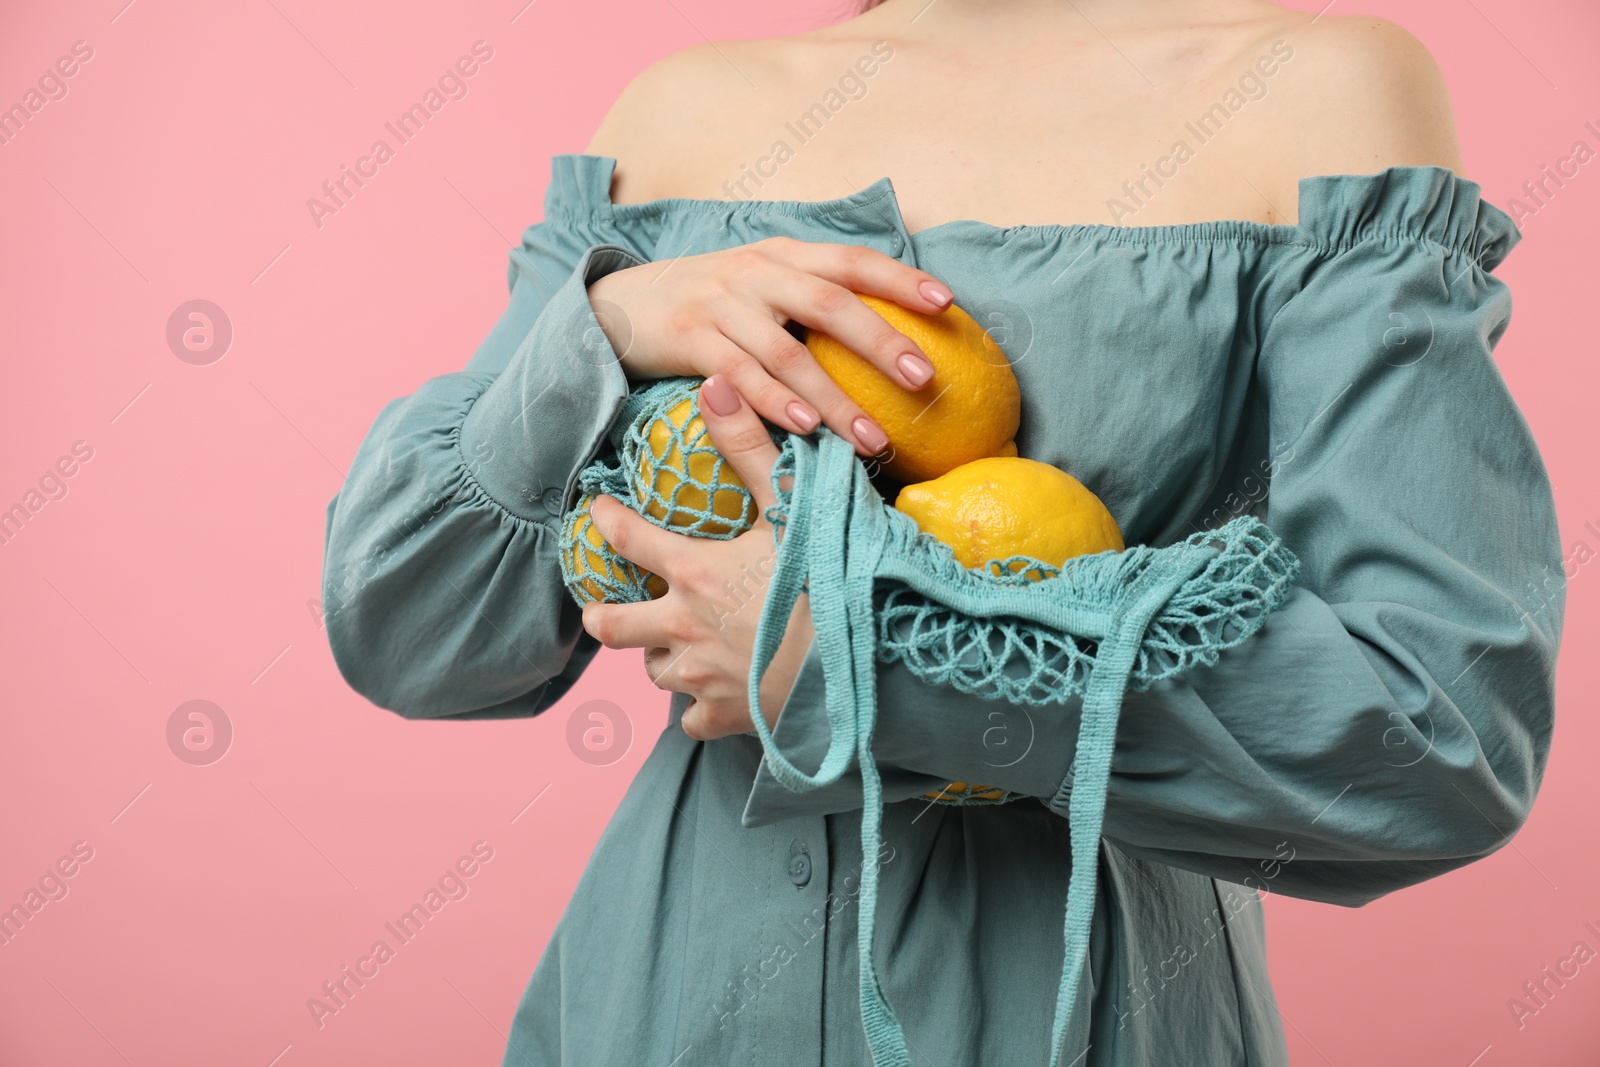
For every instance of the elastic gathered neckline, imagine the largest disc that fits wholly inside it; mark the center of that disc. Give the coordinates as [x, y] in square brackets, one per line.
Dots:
[1412, 202]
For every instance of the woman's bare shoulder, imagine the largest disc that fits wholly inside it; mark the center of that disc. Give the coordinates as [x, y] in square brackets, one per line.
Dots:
[694, 113]
[1360, 94]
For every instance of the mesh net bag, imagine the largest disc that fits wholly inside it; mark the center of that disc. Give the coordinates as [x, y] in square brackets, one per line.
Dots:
[592, 570]
[667, 471]
[881, 591]
[678, 481]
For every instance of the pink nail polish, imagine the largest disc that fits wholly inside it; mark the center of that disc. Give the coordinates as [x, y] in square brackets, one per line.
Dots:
[719, 396]
[803, 416]
[916, 369]
[871, 437]
[936, 293]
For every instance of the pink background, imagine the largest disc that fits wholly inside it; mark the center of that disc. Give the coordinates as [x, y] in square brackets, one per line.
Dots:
[182, 563]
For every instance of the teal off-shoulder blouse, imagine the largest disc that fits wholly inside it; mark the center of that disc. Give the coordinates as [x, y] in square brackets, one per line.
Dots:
[1389, 723]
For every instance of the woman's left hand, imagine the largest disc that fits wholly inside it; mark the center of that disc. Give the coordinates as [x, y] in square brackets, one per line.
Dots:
[699, 636]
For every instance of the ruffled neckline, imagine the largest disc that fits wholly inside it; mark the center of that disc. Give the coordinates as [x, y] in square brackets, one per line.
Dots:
[1429, 203]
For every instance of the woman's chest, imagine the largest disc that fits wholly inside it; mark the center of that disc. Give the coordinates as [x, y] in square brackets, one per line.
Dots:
[1009, 137]
[1135, 363]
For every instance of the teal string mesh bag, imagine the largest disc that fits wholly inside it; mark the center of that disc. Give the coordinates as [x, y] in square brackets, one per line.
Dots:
[666, 470]
[881, 591]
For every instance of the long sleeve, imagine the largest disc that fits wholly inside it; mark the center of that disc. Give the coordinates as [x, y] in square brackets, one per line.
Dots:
[1391, 720]
[441, 588]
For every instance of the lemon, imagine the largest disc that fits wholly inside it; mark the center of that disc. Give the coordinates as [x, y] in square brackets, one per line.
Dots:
[963, 791]
[583, 562]
[683, 479]
[683, 483]
[1003, 506]
[970, 409]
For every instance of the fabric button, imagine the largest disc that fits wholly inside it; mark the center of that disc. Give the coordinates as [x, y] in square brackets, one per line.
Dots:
[551, 498]
[799, 864]
[897, 244]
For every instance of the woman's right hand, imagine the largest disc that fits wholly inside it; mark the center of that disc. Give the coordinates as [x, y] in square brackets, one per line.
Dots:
[725, 312]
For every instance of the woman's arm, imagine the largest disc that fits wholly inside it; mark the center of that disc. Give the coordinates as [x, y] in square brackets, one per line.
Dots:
[441, 588]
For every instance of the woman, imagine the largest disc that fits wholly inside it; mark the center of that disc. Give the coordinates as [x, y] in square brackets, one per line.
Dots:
[1230, 252]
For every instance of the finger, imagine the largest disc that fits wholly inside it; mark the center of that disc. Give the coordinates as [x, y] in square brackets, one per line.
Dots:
[635, 538]
[662, 665]
[738, 433]
[835, 310]
[784, 367]
[646, 624]
[866, 270]
[772, 399]
[694, 722]
[702, 722]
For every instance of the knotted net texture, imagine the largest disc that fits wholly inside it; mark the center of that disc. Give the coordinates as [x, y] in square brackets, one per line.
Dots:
[1011, 658]
[881, 591]
[668, 471]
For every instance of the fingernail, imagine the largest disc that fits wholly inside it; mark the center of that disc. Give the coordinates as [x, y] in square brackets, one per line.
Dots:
[869, 435]
[803, 416]
[720, 397]
[916, 368]
[593, 504]
[936, 293]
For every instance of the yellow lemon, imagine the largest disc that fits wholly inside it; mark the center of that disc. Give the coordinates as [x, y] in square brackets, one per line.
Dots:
[583, 561]
[1003, 506]
[970, 409]
[682, 478]
[963, 791]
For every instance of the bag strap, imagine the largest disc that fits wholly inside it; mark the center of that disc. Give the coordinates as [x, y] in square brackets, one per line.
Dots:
[832, 538]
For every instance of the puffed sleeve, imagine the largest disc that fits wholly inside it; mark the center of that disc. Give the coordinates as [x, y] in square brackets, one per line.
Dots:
[441, 589]
[1390, 722]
